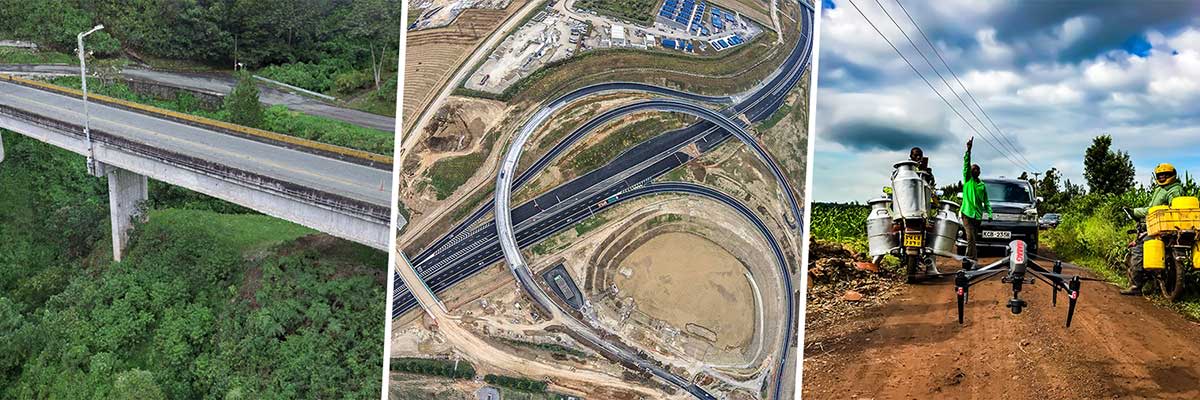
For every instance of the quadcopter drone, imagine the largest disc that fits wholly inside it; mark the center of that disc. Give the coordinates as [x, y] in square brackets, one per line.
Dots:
[1021, 270]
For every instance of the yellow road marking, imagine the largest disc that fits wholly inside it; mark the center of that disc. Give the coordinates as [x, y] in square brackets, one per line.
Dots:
[211, 122]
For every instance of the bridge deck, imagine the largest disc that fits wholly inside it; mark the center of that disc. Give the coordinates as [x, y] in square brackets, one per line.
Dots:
[358, 182]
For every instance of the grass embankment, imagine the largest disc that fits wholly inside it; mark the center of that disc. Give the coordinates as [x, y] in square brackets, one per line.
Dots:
[584, 159]
[209, 302]
[9, 55]
[448, 174]
[335, 78]
[276, 118]
[589, 224]
[1093, 235]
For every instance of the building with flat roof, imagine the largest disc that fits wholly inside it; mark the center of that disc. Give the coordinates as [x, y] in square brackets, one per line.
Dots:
[618, 35]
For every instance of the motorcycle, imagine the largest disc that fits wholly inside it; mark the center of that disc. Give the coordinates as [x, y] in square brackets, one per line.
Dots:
[1178, 250]
[902, 224]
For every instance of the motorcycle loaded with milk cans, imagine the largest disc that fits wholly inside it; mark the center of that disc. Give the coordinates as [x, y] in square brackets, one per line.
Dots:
[1170, 252]
[903, 225]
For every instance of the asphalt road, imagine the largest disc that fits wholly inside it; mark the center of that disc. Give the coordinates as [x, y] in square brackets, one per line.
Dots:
[223, 84]
[371, 185]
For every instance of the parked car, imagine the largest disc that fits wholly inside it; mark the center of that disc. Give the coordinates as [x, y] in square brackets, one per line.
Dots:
[1014, 215]
[1050, 220]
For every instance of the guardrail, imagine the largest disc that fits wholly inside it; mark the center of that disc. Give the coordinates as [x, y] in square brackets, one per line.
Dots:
[342, 153]
[296, 88]
[381, 214]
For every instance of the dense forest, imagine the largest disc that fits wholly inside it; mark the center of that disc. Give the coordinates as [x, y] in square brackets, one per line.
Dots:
[212, 301]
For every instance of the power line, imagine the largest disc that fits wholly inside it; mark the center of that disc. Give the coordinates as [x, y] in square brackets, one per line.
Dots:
[931, 87]
[1013, 150]
[1003, 136]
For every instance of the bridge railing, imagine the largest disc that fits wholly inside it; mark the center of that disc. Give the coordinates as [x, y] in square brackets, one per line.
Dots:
[362, 209]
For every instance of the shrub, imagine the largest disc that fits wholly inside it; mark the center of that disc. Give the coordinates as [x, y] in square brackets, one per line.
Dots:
[242, 104]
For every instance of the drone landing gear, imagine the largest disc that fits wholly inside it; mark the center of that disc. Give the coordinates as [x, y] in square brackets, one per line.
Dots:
[1018, 267]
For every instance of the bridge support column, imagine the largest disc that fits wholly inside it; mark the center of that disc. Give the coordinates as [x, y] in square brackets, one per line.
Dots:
[126, 193]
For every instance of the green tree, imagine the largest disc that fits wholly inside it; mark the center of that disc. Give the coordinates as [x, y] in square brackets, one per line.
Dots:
[242, 103]
[136, 384]
[1107, 170]
[374, 22]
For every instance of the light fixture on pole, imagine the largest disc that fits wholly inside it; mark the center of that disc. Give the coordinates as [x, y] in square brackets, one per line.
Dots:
[87, 131]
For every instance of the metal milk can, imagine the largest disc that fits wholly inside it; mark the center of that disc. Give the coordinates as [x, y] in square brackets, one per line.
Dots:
[881, 238]
[945, 229]
[910, 193]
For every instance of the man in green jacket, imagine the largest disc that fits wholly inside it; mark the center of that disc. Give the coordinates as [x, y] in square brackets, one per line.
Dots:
[974, 203]
[1166, 188]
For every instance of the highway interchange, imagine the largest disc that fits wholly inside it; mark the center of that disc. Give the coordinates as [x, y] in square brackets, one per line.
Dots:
[463, 252]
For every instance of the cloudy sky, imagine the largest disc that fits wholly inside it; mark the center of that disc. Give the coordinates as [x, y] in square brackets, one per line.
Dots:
[1051, 75]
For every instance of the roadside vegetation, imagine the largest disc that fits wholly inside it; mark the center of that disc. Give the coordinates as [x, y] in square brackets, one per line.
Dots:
[521, 384]
[585, 159]
[448, 174]
[1092, 232]
[10, 55]
[427, 366]
[723, 73]
[212, 301]
[344, 49]
[642, 11]
[275, 118]
[589, 224]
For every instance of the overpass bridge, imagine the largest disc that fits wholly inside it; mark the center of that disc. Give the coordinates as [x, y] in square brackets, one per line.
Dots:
[336, 190]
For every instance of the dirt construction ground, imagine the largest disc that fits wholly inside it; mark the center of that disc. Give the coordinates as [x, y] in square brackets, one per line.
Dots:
[663, 275]
[911, 347]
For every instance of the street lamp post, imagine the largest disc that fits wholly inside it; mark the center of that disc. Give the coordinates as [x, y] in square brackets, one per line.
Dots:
[87, 117]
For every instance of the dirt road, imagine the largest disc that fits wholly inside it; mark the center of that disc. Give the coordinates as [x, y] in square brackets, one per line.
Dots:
[911, 347]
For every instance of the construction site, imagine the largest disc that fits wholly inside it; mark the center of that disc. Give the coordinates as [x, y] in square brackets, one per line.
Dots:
[560, 31]
[690, 297]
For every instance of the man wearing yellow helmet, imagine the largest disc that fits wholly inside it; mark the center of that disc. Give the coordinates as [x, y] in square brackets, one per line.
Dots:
[1166, 188]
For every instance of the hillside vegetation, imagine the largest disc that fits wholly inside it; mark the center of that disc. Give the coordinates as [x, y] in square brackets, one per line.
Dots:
[212, 301]
[342, 48]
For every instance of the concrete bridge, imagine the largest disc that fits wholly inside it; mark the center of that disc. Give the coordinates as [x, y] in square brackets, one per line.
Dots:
[339, 191]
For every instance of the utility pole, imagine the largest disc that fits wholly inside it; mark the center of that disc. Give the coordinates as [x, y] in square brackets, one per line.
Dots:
[87, 117]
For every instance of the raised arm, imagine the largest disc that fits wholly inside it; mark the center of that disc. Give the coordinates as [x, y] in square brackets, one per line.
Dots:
[966, 175]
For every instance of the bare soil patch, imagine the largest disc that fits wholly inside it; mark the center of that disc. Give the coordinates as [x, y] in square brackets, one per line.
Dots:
[686, 279]
[913, 347]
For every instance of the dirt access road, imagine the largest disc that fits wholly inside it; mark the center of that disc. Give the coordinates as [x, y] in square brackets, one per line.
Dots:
[911, 347]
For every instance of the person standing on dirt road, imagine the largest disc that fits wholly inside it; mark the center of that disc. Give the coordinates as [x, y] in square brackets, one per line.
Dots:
[975, 202]
[1166, 188]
